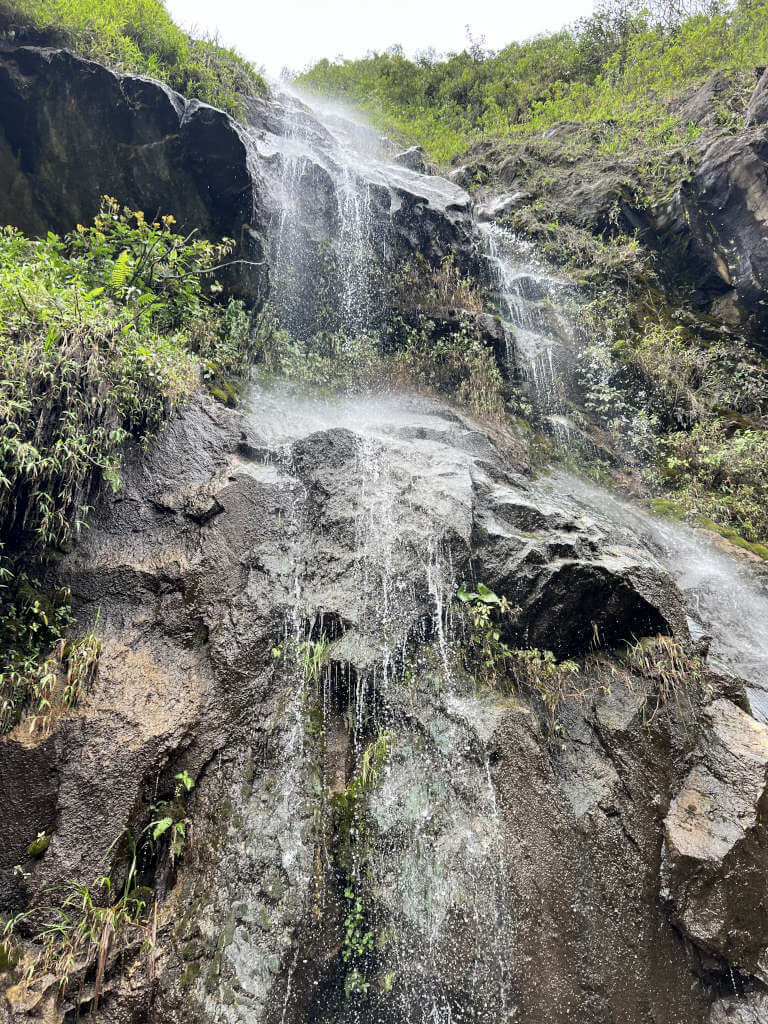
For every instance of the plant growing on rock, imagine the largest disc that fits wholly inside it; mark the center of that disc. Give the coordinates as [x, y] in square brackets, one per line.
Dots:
[103, 333]
[80, 929]
[673, 675]
[140, 36]
[173, 822]
[415, 283]
[42, 671]
[494, 663]
[458, 364]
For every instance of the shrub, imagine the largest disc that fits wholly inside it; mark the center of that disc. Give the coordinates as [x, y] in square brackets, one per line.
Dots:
[617, 69]
[103, 333]
[458, 364]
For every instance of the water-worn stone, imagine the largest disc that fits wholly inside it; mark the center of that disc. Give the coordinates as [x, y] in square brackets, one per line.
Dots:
[414, 158]
[355, 518]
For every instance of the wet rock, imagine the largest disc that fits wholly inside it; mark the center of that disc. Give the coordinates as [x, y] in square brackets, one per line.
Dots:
[715, 861]
[751, 1009]
[575, 587]
[414, 158]
[500, 205]
[757, 108]
[513, 873]
[461, 176]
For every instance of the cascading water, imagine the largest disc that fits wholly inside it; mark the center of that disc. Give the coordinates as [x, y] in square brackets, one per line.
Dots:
[726, 598]
[538, 335]
[405, 882]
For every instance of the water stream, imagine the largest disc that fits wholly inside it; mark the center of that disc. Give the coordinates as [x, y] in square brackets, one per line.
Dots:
[434, 859]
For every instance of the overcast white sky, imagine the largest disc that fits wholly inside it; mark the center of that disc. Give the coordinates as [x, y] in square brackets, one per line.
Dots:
[294, 33]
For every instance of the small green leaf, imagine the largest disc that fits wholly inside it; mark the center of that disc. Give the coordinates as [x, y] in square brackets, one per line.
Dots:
[161, 827]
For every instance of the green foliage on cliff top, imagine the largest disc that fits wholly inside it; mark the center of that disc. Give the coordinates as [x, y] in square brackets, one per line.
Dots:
[102, 334]
[138, 36]
[618, 68]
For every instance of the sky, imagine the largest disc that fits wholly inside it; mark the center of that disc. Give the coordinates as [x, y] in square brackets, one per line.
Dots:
[295, 33]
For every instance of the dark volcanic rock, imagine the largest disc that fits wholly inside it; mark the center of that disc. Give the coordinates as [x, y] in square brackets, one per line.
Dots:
[512, 872]
[72, 131]
[414, 158]
[757, 108]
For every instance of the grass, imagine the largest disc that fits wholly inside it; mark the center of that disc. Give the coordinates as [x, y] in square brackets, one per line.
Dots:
[138, 36]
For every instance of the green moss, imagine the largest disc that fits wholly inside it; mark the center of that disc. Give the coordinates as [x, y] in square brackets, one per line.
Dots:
[38, 846]
[667, 508]
[761, 550]
[191, 973]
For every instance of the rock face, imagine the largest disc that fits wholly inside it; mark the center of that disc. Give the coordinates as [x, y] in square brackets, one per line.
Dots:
[715, 859]
[707, 241]
[72, 131]
[499, 879]
[718, 226]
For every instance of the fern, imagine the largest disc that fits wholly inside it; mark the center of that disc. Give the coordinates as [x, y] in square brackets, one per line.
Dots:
[121, 271]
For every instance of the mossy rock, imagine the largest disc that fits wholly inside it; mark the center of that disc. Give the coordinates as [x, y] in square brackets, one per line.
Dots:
[733, 537]
[668, 509]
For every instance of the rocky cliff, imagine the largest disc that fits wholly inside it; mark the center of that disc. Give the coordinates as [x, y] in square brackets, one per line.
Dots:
[385, 726]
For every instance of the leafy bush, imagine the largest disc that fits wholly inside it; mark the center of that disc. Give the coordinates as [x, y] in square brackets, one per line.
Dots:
[489, 658]
[416, 283]
[139, 36]
[103, 333]
[617, 69]
[458, 364]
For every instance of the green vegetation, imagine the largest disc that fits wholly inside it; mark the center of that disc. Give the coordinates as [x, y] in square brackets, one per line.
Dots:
[81, 927]
[616, 70]
[492, 662]
[138, 36]
[103, 334]
[427, 339]
[173, 821]
[675, 677]
[682, 403]
[78, 930]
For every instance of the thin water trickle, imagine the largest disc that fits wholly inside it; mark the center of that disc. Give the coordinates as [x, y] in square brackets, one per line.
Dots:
[536, 331]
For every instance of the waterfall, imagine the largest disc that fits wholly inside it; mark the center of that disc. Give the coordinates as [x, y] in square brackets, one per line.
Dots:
[726, 599]
[406, 877]
[538, 335]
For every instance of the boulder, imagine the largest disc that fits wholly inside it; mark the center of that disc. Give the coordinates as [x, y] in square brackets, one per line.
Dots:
[500, 205]
[414, 158]
[715, 864]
